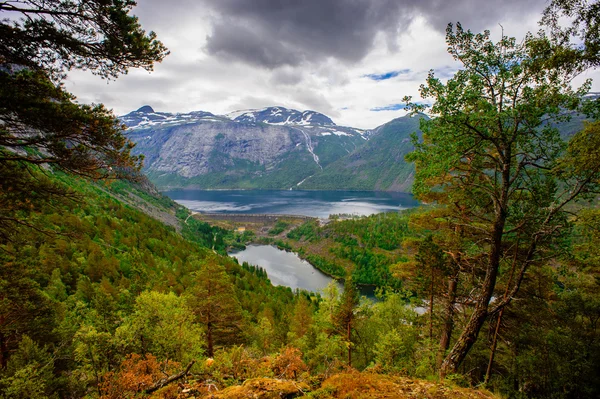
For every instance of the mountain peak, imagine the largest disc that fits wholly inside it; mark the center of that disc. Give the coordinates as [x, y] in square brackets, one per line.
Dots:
[145, 109]
[280, 116]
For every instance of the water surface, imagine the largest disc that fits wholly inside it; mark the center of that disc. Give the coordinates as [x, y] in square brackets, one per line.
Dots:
[284, 268]
[319, 204]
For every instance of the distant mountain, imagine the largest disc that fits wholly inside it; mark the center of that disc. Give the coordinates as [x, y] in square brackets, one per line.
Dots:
[146, 117]
[377, 165]
[281, 116]
[273, 147]
[276, 148]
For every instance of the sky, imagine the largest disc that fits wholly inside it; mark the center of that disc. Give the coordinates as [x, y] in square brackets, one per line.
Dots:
[353, 60]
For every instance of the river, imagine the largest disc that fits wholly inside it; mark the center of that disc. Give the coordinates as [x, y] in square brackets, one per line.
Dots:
[319, 204]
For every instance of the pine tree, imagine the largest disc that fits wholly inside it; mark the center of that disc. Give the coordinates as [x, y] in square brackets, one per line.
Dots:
[493, 158]
[42, 125]
[345, 316]
[215, 304]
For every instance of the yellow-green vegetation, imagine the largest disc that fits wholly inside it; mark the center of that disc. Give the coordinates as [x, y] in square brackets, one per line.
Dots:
[364, 247]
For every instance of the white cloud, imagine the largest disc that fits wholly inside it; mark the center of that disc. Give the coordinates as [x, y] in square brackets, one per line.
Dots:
[193, 79]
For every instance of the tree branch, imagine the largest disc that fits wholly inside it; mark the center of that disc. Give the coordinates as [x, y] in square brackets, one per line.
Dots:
[167, 380]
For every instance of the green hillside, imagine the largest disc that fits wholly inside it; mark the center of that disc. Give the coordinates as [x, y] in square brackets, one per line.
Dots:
[378, 165]
[73, 289]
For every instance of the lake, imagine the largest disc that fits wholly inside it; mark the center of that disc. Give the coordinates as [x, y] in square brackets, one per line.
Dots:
[288, 269]
[284, 268]
[319, 204]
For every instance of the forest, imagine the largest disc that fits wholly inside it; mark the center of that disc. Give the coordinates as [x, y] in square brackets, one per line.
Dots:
[489, 290]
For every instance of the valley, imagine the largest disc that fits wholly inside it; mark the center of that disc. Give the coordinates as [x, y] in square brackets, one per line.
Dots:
[448, 248]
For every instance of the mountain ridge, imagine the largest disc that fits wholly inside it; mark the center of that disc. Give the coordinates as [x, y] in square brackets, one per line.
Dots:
[274, 147]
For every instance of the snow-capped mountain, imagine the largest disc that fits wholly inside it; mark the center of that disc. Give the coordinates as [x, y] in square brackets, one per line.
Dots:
[268, 148]
[280, 116]
[146, 117]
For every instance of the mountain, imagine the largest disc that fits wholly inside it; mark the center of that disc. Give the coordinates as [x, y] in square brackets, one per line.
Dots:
[276, 148]
[377, 165]
[273, 147]
[146, 117]
[281, 116]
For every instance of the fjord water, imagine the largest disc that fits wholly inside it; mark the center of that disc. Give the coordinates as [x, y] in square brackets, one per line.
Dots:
[319, 204]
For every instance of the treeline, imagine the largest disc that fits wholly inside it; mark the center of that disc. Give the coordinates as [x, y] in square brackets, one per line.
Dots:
[104, 301]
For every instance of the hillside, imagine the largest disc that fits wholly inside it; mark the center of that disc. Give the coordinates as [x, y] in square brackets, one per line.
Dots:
[101, 300]
[271, 148]
[377, 165]
[276, 148]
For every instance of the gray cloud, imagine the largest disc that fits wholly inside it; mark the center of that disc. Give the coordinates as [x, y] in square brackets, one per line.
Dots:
[287, 76]
[478, 15]
[247, 43]
[303, 54]
[272, 33]
[315, 101]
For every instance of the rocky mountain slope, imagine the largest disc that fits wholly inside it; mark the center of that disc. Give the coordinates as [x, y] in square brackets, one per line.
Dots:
[276, 148]
[269, 148]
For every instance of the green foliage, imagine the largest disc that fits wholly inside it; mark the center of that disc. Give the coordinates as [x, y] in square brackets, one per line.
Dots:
[112, 281]
[307, 231]
[397, 336]
[579, 38]
[42, 125]
[29, 373]
[493, 159]
[161, 324]
[213, 302]
[326, 266]
[382, 230]
[97, 36]
[370, 244]
[378, 164]
[279, 227]
[205, 235]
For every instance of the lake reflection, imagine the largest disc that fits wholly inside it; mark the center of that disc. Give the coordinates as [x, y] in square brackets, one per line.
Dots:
[307, 203]
[284, 268]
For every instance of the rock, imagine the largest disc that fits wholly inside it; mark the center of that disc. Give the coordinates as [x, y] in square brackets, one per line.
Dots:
[264, 388]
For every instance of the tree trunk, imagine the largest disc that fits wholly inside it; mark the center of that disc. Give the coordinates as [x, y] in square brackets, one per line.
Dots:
[431, 304]
[448, 325]
[488, 372]
[209, 339]
[349, 336]
[494, 345]
[480, 314]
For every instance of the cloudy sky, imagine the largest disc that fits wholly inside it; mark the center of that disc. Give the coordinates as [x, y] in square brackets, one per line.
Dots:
[353, 60]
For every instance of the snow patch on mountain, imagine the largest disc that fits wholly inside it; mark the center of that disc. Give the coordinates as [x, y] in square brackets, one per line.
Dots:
[280, 116]
[145, 117]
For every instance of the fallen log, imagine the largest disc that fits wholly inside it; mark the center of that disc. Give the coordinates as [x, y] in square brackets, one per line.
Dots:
[167, 380]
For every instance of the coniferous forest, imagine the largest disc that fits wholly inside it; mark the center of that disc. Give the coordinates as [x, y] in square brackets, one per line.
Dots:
[490, 289]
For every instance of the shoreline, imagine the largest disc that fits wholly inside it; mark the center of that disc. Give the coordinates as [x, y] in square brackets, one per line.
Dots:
[188, 188]
[339, 280]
